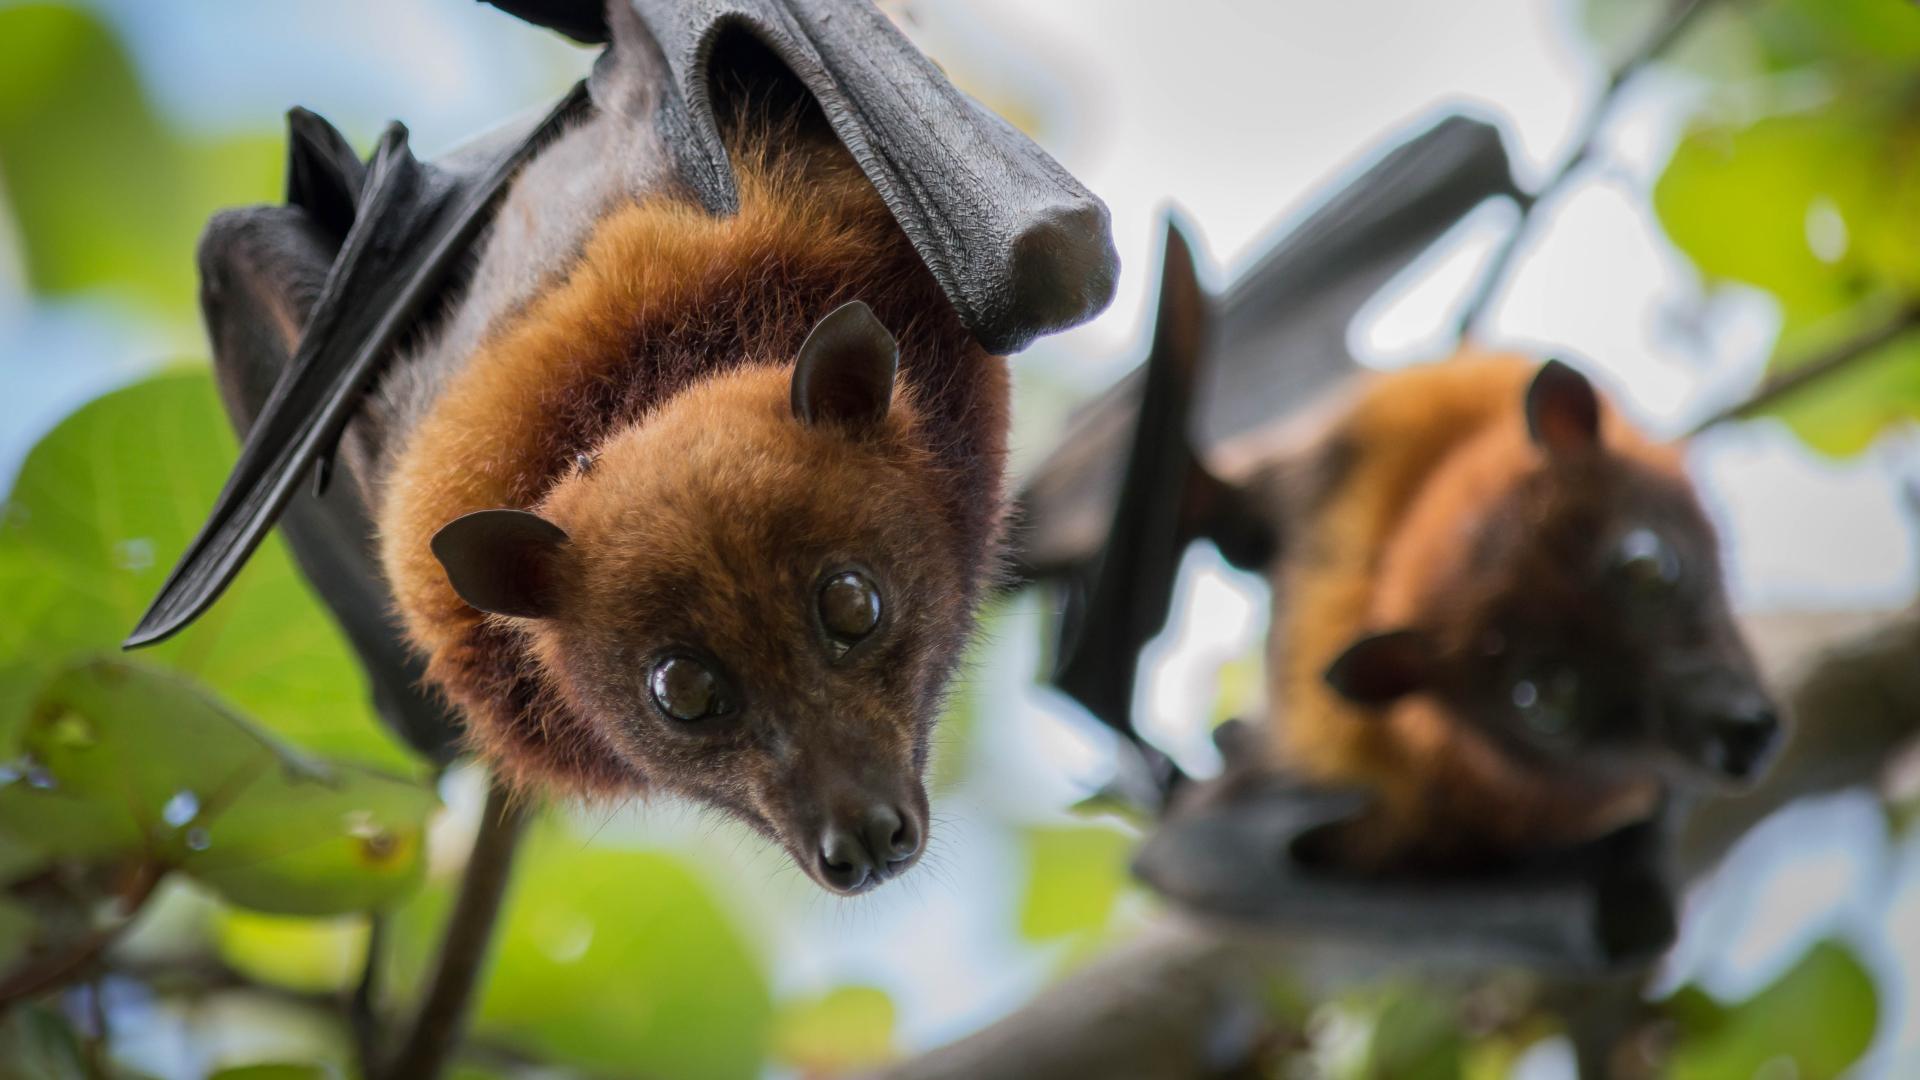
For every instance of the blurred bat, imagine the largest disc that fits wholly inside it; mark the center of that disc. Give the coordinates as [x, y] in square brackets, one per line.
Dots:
[1159, 462]
[1109, 514]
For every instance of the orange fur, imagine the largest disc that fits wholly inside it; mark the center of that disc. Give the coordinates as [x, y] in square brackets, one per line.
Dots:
[667, 350]
[1413, 466]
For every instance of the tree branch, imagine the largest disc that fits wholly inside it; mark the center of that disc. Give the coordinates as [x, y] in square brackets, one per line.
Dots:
[52, 972]
[1680, 17]
[464, 947]
[1831, 362]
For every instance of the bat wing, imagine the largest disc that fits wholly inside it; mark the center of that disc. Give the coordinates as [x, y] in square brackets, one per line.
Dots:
[1018, 246]
[1605, 906]
[404, 227]
[1120, 600]
[1277, 341]
[1016, 243]
[262, 270]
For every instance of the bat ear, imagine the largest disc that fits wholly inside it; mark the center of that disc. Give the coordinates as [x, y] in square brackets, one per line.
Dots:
[1563, 414]
[846, 369]
[1381, 668]
[502, 561]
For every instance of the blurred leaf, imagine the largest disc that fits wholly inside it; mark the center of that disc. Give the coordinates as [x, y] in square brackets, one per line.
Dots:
[1240, 688]
[130, 762]
[1815, 207]
[1794, 205]
[36, 1043]
[17, 926]
[1820, 1016]
[102, 507]
[1722, 42]
[308, 955]
[1842, 414]
[104, 193]
[849, 1029]
[274, 1072]
[1850, 38]
[610, 960]
[1416, 1035]
[1074, 878]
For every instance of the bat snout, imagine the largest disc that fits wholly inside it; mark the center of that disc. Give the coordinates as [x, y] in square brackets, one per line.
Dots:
[856, 852]
[1734, 740]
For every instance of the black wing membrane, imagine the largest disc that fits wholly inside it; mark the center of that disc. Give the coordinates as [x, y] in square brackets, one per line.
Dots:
[1605, 906]
[1019, 246]
[412, 225]
[1277, 338]
[261, 271]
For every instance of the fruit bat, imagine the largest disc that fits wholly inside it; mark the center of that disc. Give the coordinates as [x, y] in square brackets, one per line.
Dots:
[655, 443]
[1176, 453]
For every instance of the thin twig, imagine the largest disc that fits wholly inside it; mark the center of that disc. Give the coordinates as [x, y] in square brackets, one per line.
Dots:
[56, 971]
[1679, 18]
[442, 1016]
[1837, 359]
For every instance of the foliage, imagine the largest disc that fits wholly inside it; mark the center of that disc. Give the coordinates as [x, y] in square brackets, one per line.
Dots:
[1816, 1019]
[122, 764]
[106, 195]
[1801, 177]
[102, 507]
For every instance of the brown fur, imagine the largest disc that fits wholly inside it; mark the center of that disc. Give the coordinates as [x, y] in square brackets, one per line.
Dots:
[666, 354]
[1411, 474]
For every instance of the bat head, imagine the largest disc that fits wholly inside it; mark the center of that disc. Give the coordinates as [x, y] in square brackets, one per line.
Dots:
[1583, 619]
[756, 596]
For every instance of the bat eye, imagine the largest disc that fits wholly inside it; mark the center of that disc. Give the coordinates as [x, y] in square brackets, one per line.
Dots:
[1647, 563]
[1548, 701]
[849, 607]
[686, 689]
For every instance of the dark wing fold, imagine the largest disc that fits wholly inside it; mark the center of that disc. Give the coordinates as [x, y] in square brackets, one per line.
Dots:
[1015, 242]
[1117, 603]
[1605, 906]
[582, 20]
[1282, 335]
[411, 227]
[1278, 337]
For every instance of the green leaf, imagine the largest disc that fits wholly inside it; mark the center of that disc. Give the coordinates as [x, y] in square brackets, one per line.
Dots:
[1820, 1016]
[275, 1072]
[103, 506]
[105, 194]
[1844, 413]
[36, 1043]
[614, 961]
[847, 1030]
[307, 955]
[126, 762]
[17, 929]
[1791, 204]
[1416, 1034]
[1074, 879]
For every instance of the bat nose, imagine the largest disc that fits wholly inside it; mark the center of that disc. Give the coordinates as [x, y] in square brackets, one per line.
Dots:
[1741, 740]
[866, 849]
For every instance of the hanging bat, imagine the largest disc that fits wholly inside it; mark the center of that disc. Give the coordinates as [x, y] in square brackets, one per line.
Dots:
[1500, 635]
[671, 426]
